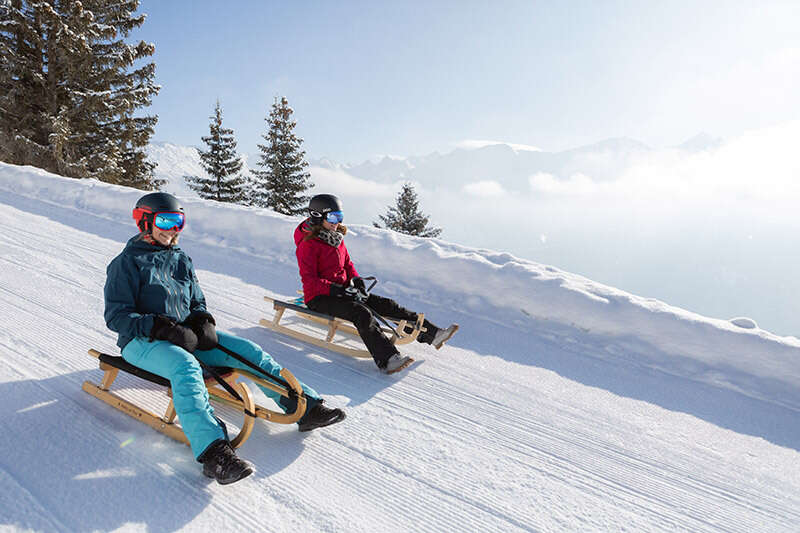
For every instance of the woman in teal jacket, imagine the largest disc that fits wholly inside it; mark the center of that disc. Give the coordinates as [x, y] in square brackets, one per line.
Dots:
[154, 302]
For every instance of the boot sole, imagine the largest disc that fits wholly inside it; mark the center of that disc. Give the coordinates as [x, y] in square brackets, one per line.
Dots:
[401, 367]
[439, 346]
[326, 424]
[244, 474]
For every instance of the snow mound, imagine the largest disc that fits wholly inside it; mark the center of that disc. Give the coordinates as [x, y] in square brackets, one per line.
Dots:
[744, 322]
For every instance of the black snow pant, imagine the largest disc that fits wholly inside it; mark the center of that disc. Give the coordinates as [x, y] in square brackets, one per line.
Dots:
[378, 345]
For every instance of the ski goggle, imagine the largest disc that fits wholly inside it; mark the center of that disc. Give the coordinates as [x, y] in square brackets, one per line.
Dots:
[168, 221]
[334, 217]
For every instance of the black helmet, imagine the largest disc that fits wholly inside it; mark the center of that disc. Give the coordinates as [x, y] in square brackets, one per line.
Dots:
[150, 204]
[322, 204]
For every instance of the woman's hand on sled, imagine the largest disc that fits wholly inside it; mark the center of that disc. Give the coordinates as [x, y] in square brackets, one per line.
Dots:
[359, 284]
[203, 326]
[164, 328]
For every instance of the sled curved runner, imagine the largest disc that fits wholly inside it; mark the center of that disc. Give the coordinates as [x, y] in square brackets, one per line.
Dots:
[111, 365]
[334, 325]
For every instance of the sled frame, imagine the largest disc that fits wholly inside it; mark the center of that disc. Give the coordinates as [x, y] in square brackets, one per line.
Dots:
[334, 325]
[167, 425]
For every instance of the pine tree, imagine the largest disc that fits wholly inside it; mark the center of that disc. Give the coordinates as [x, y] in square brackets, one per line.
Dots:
[23, 119]
[283, 180]
[128, 90]
[222, 164]
[405, 216]
[71, 101]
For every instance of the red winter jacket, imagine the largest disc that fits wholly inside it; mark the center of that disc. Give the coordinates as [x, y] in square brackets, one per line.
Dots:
[321, 264]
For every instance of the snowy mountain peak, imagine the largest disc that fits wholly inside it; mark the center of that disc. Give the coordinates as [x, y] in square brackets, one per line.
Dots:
[701, 142]
[474, 144]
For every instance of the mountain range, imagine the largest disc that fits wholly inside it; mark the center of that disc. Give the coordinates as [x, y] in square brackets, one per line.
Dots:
[501, 162]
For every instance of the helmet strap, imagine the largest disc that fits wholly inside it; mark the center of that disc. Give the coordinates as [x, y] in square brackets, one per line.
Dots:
[147, 222]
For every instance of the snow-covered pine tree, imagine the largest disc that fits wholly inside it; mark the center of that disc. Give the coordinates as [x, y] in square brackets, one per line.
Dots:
[223, 182]
[72, 104]
[130, 89]
[405, 216]
[23, 117]
[283, 180]
[69, 30]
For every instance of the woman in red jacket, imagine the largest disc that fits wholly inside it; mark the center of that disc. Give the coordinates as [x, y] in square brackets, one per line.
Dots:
[327, 272]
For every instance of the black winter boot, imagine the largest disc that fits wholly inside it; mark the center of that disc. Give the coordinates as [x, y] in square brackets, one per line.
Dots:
[320, 416]
[221, 463]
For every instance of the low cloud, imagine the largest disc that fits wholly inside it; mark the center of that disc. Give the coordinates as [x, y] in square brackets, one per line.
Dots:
[760, 168]
[484, 188]
[576, 185]
[343, 184]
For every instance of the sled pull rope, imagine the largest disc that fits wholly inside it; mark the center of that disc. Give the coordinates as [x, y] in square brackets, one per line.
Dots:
[227, 386]
[374, 281]
[378, 317]
[257, 368]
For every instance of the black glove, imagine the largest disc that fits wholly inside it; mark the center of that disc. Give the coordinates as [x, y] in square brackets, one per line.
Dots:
[166, 329]
[202, 324]
[339, 291]
[357, 289]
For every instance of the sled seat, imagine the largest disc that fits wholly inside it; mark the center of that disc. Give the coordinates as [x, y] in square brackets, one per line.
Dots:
[166, 424]
[399, 335]
[300, 309]
[120, 363]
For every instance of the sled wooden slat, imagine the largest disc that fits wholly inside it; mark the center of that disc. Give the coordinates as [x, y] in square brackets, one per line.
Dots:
[225, 397]
[156, 422]
[352, 352]
[334, 325]
[166, 424]
[249, 404]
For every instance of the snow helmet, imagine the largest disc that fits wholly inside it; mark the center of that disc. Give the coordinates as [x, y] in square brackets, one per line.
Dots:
[150, 204]
[320, 205]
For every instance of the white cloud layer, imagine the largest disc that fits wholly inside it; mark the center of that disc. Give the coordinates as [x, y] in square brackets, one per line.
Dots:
[576, 185]
[344, 185]
[484, 188]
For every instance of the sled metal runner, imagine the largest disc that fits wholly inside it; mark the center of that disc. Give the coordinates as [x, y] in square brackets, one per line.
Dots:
[166, 424]
[398, 334]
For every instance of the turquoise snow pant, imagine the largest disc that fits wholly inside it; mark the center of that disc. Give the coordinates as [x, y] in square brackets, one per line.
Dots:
[189, 392]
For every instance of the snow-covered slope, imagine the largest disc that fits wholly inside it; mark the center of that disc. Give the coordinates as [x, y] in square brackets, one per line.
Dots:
[562, 405]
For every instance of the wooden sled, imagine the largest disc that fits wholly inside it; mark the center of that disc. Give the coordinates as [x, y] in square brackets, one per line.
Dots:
[398, 334]
[111, 365]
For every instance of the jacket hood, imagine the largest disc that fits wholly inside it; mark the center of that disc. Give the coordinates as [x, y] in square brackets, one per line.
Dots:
[300, 231]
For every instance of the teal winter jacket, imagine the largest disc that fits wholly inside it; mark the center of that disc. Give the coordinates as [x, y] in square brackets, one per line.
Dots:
[147, 280]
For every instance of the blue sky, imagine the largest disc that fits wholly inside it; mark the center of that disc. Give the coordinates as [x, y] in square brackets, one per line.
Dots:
[409, 78]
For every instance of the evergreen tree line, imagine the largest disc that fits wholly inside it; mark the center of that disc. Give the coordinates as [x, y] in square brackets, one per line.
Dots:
[281, 181]
[69, 92]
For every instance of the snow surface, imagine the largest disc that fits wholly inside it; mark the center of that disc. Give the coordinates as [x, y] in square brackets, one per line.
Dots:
[561, 405]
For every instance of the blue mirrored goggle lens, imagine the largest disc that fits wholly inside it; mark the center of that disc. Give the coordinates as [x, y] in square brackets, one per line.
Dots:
[168, 221]
[334, 217]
